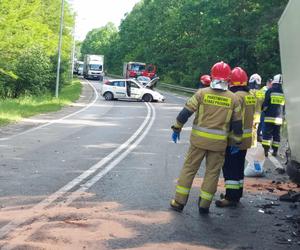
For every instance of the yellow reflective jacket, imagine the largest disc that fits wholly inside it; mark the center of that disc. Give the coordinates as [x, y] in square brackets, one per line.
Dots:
[215, 111]
[260, 97]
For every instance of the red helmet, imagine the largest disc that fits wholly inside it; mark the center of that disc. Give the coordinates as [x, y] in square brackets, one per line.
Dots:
[205, 79]
[221, 71]
[238, 77]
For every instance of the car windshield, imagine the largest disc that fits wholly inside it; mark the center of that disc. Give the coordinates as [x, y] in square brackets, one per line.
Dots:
[95, 67]
[144, 79]
[137, 67]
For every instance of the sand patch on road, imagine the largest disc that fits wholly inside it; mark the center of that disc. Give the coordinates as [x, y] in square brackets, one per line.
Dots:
[88, 227]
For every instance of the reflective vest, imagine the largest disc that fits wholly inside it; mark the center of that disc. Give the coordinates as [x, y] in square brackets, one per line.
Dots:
[273, 105]
[248, 105]
[214, 112]
[260, 96]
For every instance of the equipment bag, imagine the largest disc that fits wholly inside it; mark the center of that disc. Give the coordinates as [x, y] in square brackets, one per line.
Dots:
[255, 157]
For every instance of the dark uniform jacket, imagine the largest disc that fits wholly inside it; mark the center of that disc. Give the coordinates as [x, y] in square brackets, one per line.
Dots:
[273, 105]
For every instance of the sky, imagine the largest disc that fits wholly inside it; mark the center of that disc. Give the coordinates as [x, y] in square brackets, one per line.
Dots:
[97, 13]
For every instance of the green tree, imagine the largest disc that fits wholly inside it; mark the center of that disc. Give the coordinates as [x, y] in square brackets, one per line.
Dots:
[98, 40]
[184, 38]
[34, 68]
[30, 24]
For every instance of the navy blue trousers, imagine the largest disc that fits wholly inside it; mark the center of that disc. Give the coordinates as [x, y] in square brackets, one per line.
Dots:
[233, 172]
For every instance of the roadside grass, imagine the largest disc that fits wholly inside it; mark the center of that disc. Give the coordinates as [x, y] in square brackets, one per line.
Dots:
[13, 110]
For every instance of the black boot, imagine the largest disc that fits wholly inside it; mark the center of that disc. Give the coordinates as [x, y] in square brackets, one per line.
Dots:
[266, 148]
[226, 203]
[202, 210]
[176, 206]
[275, 151]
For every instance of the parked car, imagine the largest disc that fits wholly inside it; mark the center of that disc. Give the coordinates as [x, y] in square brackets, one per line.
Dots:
[130, 89]
[80, 70]
[78, 67]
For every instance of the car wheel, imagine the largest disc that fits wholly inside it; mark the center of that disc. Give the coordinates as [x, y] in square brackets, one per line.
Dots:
[147, 98]
[108, 96]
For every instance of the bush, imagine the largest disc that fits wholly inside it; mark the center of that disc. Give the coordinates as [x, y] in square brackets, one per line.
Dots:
[7, 83]
[35, 72]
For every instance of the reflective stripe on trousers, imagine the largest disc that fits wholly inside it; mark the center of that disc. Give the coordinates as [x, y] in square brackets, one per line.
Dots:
[241, 183]
[266, 142]
[206, 196]
[276, 144]
[247, 133]
[182, 190]
[231, 184]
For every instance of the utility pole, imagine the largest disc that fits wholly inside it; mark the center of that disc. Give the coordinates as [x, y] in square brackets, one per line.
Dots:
[72, 53]
[59, 48]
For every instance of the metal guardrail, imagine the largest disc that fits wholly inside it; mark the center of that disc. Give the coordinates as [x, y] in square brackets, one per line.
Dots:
[166, 85]
[176, 87]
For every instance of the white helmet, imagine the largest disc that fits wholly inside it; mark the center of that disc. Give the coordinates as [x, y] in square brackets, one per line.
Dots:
[255, 78]
[277, 79]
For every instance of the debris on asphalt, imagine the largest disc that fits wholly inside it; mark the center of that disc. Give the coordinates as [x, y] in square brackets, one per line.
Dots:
[280, 170]
[290, 196]
[282, 240]
[289, 217]
[268, 205]
[293, 206]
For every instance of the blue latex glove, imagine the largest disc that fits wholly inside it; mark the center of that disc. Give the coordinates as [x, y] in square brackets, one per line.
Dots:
[175, 136]
[234, 150]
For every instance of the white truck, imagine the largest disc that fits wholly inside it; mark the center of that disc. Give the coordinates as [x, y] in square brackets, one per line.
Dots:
[93, 67]
[289, 39]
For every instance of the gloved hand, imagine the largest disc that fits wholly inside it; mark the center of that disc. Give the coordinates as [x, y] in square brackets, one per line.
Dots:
[234, 150]
[175, 136]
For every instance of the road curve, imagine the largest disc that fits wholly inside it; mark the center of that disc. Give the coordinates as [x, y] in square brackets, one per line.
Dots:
[102, 179]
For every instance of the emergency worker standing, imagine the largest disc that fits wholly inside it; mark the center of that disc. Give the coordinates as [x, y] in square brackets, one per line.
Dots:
[273, 108]
[216, 111]
[262, 115]
[233, 168]
[254, 85]
[205, 81]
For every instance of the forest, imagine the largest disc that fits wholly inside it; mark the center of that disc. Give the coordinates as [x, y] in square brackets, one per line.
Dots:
[29, 32]
[184, 38]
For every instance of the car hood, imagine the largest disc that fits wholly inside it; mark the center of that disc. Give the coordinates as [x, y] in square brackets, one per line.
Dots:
[152, 83]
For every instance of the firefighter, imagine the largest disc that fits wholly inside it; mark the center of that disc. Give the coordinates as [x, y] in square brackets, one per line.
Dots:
[254, 85]
[273, 108]
[233, 168]
[216, 110]
[262, 114]
[205, 81]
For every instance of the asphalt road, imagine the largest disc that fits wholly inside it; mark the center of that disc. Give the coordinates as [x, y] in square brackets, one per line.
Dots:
[99, 175]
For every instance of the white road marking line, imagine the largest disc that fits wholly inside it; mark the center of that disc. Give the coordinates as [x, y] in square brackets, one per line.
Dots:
[50, 199]
[109, 167]
[57, 120]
